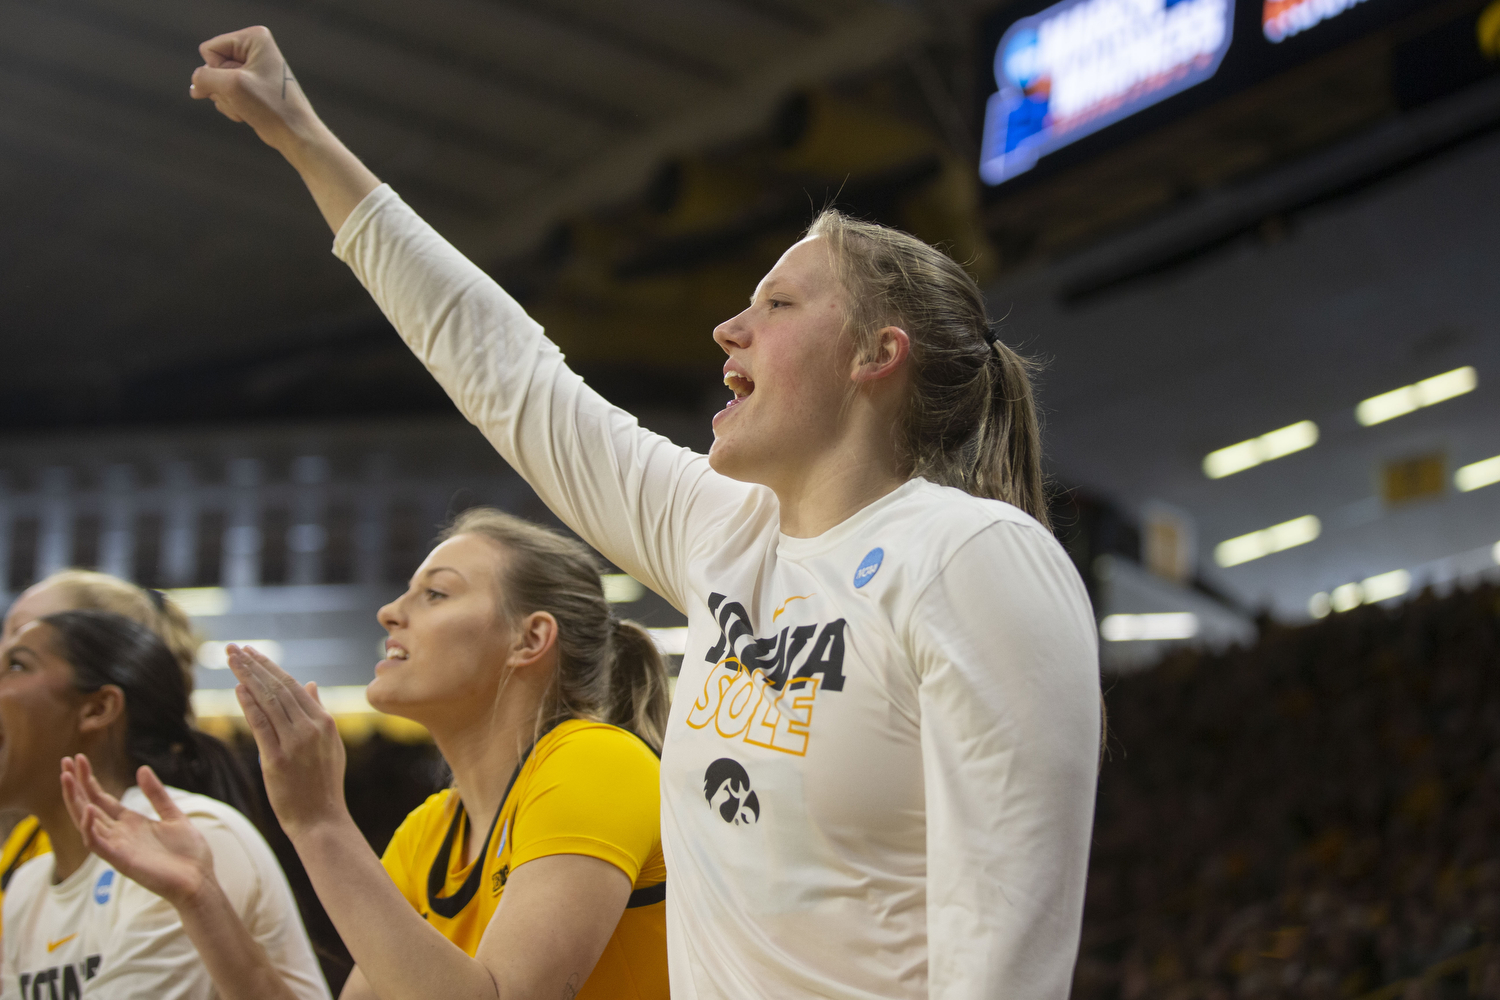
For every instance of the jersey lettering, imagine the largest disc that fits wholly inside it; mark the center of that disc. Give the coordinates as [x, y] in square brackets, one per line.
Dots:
[765, 689]
[44, 984]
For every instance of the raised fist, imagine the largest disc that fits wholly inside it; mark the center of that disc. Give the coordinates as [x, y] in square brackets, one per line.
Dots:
[248, 79]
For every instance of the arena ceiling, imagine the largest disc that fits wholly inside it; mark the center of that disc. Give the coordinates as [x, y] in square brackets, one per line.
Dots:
[152, 246]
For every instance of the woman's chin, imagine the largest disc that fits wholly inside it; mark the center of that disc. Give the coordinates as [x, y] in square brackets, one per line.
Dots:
[384, 695]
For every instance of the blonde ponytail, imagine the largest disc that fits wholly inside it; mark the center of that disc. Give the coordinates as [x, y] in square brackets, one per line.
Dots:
[970, 419]
[639, 695]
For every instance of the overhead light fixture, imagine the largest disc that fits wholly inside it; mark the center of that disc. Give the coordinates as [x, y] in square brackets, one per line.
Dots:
[1385, 586]
[200, 602]
[1271, 445]
[215, 655]
[1400, 402]
[1276, 538]
[622, 588]
[1370, 590]
[1471, 477]
[1135, 628]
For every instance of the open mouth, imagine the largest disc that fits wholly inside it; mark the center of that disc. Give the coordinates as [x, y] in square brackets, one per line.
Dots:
[740, 385]
[395, 652]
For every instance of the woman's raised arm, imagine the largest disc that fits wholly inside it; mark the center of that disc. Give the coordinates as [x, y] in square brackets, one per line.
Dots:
[633, 495]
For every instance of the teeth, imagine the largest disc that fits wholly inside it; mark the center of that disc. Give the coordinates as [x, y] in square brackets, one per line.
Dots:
[396, 654]
[738, 384]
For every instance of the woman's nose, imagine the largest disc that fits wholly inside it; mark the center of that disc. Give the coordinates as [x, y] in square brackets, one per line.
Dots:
[732, 332]
[390, 615]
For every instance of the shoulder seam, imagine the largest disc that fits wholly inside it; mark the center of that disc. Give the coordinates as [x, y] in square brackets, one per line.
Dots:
[921, 591]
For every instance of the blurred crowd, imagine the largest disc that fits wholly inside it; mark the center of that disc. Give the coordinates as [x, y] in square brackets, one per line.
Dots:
[1316, 816]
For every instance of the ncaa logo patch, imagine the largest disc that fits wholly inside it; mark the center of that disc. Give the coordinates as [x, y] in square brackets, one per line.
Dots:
[868, 567]
[102, 887]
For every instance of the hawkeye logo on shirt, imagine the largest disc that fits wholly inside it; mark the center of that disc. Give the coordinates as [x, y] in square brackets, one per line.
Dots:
[765, 692]
[61, 982]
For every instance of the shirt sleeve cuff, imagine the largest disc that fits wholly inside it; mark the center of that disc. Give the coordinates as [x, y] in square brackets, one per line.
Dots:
[366, 210]
[578, 845]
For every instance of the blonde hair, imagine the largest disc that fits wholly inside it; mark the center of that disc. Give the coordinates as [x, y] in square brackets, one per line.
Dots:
[87, 590]
[970, 420]
[608, 670]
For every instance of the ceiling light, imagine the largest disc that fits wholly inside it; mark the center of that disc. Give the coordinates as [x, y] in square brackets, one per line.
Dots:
[1248, 454]
[1399, 402]
[1288, 534]
[622, 588]
[1471, 477]
[1370, 590]
[1132, 628]
[1386, 586]
[215, 655]
[1346, 598]
[200, 602]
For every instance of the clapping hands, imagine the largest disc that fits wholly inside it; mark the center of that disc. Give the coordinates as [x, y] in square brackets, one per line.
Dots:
[168, 856]
[301, 753]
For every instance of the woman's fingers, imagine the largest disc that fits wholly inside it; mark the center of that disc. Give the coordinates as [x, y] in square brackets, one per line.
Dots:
[276, 683]
[266, 736]
[98, 797]
[228, 47]
[299, 693]
[156, 794]
[269, 693]
[74, 797]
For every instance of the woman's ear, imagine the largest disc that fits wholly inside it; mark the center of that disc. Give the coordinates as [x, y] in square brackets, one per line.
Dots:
[535, 638]
[101, 709]
[891, 349]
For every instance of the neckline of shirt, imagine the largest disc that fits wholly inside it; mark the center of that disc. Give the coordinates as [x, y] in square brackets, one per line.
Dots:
[835, 536]
[82, 877]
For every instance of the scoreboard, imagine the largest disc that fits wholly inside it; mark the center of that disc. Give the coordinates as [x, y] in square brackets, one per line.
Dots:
[1091, 72]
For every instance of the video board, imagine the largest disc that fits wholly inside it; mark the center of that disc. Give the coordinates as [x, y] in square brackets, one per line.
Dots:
[1281, 19]
[1079, 69]
[1083, 64]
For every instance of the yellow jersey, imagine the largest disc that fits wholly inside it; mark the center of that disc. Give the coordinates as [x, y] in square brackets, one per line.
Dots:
[586, 788]
[27, 840]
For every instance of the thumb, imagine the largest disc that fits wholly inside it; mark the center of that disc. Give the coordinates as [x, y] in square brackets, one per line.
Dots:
[156, 794]
[214, 83]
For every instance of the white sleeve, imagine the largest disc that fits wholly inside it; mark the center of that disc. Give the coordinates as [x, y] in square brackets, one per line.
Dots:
[1007, 655]
[632, 494]
[255, 886]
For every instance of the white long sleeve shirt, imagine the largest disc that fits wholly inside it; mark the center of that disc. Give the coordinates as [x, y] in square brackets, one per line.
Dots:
[879, 770]
[98, 934]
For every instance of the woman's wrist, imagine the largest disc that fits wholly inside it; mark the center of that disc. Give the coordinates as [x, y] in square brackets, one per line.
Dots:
[306, 142]
[196, 893]
[316, 831]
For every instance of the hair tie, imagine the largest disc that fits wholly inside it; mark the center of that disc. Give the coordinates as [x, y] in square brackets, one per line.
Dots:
[157, 598]
[989, 335]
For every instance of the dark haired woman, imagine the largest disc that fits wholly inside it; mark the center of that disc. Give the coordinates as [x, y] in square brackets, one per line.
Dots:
[879, 779]
[87, 590]
[540, 872]
[98, 683]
